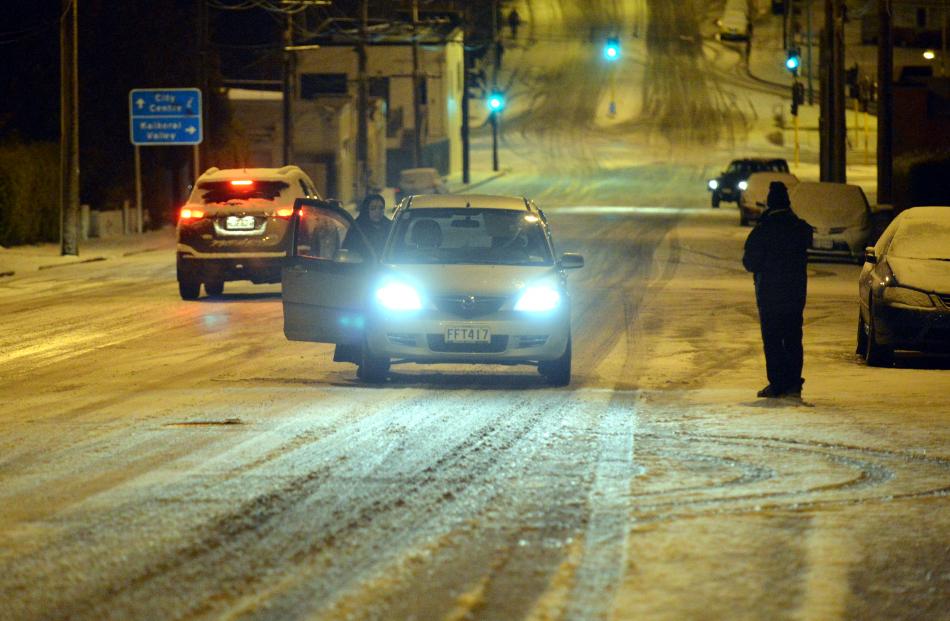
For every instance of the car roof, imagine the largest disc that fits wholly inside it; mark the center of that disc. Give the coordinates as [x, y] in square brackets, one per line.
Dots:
[926, 213]
[477, 201]
[284, 173]
[761, 160]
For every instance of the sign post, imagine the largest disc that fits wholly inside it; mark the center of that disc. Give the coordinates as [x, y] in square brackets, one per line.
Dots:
[163, 116]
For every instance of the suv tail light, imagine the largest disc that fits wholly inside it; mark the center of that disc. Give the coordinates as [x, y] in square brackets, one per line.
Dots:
[284, 212]
[190, 213]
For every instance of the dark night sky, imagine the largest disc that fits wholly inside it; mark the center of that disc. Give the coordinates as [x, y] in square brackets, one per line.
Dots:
[122, 45]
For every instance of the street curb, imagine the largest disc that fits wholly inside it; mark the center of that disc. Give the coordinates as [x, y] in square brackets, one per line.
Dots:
[92, 260]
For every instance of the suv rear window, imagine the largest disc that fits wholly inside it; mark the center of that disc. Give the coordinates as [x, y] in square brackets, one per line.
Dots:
[224, 191]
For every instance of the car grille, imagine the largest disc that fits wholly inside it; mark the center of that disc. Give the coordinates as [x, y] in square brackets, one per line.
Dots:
[437, 343]
[469, 306]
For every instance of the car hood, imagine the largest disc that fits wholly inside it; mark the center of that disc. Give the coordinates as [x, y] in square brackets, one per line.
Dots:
[924, 274]
[479, 280]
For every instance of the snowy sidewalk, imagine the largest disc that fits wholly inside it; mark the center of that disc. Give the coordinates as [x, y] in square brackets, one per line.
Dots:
[17, 260]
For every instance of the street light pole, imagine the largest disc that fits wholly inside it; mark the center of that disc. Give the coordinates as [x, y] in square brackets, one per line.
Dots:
[362, 103]
[416, 89]
[288, 88]
[69, 128]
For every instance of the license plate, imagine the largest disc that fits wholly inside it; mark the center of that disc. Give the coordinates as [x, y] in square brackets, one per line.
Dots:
[467, 334]
[824, 244]
[240, 223]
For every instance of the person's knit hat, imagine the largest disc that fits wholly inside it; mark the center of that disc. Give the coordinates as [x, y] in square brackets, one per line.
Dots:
[778, 196]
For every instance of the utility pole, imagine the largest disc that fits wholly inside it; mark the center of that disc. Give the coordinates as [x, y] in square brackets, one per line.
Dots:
[466, 163]
[833, 121]
[288, 87]
[811, 66]
[69, 128]
[362, 103]
[885, 104]
[416, 89]
[202, 74]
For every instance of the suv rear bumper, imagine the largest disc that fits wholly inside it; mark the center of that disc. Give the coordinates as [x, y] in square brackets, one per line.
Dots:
[256, 267]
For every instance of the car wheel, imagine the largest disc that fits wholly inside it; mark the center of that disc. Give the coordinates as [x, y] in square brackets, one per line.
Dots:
[743, 218]
[214, 288]
[189, 288]
[875, 354]
[715, 200]
[372, 369]
[558, 371]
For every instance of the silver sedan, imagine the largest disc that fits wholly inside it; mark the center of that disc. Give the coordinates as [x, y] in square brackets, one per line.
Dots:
[461, 279]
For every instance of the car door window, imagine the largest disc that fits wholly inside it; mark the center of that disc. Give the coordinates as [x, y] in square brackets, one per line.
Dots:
[320, 233]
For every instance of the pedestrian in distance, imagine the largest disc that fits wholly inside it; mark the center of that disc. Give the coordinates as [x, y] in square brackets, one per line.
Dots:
[374, 225]
[776, 252]
[514, 21]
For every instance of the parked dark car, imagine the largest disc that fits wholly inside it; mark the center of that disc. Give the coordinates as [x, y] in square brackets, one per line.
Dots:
[730, 184]
[904, 287]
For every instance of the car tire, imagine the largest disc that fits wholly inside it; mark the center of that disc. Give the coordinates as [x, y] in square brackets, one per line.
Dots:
[214, 288]
[188, 288]
[558, 371]
[715, 200]
[743, 218]
[875, 354]
[372, 369]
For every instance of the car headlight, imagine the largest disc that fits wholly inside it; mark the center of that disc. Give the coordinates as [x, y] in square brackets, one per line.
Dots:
[907, 297]
[538, 299]
[743, 185]
[713, 184]
[398, 296]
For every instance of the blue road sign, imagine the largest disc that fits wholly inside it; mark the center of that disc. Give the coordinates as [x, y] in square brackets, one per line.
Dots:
[165, 116]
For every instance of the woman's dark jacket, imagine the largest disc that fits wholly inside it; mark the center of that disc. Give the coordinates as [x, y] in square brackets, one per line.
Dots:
[375, 232]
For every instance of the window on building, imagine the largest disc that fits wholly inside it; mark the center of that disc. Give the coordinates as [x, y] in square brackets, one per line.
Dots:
[313, 85]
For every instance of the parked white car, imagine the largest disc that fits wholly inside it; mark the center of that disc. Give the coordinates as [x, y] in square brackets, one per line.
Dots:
[419, 181]
[756, 191]
[839, 214]
[734, 25]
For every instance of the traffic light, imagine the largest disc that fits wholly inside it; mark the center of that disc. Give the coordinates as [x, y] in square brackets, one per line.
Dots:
[495, 101]
[612, 49]
[793, 60]
[798, 97]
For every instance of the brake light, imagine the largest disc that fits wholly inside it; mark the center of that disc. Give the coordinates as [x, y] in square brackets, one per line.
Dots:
[241, 182]
[285, 212]
[187, 213]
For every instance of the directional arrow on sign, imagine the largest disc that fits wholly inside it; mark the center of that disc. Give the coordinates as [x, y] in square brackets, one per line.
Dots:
[191, 129]
[140, 102]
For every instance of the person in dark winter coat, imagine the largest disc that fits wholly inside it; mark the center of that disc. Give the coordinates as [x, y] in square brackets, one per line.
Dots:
[373, 223]
[776, 252]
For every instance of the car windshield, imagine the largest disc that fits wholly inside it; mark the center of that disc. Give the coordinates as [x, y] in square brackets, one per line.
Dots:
[224, 191]
[922, 239]
[469, 235]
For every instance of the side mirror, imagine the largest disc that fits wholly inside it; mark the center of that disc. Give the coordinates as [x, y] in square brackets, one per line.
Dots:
[347, 256]
[869, 256]
[571, 261]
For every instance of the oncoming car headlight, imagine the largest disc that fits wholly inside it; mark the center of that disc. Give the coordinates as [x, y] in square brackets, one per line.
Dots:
[743, 185]
[398, 296]
[907, 297]
[538, 299]
[713, 184]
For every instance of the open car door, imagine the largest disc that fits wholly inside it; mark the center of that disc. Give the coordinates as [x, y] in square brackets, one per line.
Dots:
[323, 285]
